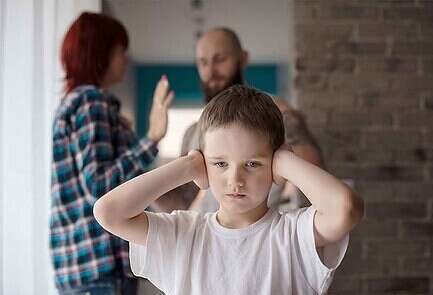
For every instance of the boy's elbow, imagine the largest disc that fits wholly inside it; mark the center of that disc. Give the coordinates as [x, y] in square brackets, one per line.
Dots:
[97, 212]
[100, 214]
[354, 209]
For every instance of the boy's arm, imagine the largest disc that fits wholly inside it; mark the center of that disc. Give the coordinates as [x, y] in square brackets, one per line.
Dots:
[181, 197]
[121, 211]
[339, 208]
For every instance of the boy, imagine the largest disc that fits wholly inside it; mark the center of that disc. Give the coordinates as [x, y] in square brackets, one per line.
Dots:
[245, 247]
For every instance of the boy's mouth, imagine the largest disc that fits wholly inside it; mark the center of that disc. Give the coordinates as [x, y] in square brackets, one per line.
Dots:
[236, 195]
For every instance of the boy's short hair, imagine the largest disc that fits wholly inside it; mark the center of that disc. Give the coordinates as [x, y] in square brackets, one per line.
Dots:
[250, 108]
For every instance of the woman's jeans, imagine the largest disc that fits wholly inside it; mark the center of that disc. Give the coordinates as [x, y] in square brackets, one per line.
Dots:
[106, 286]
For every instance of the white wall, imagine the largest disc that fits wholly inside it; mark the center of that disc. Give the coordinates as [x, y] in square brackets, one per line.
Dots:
[163, 31]
[30, 88]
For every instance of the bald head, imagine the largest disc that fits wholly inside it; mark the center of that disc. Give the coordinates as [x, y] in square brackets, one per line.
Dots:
[223, 35]
[220, 60]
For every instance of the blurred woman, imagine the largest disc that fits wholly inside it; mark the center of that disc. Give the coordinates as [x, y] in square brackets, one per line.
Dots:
[95, 150]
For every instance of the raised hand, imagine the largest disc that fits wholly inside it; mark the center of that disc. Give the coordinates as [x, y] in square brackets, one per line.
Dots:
[158, 118]
[199, 172]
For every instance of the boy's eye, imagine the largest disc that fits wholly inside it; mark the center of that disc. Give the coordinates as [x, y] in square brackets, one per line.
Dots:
[220, 164]
[253, 164]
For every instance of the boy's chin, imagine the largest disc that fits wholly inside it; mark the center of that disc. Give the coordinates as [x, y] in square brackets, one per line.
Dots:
[243, 208]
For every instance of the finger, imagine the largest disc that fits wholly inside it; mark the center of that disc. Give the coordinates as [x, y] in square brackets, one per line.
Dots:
[168, 100]
[161, 89]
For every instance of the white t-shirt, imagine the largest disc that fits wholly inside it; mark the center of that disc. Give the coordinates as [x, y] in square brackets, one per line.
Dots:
[191, 253]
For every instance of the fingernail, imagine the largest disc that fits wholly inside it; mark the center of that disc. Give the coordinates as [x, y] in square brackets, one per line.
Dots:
[164, 77]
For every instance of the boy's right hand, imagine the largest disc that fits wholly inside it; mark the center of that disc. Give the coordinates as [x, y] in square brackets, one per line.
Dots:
[199, 172]
[277, 162]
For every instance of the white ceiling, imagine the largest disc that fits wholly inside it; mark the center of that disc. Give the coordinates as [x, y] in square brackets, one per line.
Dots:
[164, 30]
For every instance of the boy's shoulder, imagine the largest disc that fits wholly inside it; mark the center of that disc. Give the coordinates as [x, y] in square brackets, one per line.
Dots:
[295, 217]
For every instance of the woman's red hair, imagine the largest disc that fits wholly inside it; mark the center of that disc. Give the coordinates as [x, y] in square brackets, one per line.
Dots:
[87, 48]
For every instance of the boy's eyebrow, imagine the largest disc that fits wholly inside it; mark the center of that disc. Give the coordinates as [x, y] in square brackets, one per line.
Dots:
[248, 157]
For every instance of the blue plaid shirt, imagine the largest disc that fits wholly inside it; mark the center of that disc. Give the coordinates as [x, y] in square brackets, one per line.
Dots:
[94, 150]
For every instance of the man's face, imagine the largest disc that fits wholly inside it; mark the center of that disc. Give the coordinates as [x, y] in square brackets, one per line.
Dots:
[239, 167]
[219, 63]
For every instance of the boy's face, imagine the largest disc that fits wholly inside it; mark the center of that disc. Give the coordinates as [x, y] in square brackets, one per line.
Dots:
[239, 167]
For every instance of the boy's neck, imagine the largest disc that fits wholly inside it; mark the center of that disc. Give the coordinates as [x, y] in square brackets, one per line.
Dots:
[240, 220]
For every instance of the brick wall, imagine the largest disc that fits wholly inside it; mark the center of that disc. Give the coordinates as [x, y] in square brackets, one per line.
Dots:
[365, 81]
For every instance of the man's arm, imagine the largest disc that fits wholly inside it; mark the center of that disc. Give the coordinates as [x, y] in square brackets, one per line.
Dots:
[121, 211]
[300, 138]
[339, 208]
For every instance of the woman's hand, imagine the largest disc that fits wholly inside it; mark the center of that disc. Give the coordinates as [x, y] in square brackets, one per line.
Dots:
[199, 172]
[158, 118]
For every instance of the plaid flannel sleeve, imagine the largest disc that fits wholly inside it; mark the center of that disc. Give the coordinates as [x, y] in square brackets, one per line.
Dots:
[100, 168]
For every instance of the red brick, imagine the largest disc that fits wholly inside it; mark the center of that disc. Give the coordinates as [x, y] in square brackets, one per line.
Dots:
[392, 210]
[327, 100]
[408, 82]
[393, 249]
[392, 65]
[360, 119]
[416, 119]
[417, 155]
[418, 230]
[336, 137]
[363, 82]
[348, 12]
[377, 173]
[418, 265]
[358, 48]
[400, 285]
[361, 156]
[408, 13]
[389, 101]
[325, 31]
[424, 48]
[328, 65]
[373, 229]
[381, 31]
[427, 65]
[409, 138]
[345, 285]
[395, 64]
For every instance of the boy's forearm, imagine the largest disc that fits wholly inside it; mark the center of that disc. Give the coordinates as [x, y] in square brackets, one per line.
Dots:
[326, 193]
[132, 197]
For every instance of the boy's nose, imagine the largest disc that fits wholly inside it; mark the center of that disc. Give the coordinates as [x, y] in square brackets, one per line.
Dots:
[236, 182]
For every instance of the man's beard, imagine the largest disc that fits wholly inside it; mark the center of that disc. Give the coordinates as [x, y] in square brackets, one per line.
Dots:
[210, 93]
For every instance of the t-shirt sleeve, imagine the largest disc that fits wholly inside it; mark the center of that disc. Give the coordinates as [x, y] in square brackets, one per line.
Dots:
[318, 269]
[155, 260]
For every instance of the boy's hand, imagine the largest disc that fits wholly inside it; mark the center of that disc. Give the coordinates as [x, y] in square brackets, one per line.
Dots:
[276, 165]
[199, 169]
